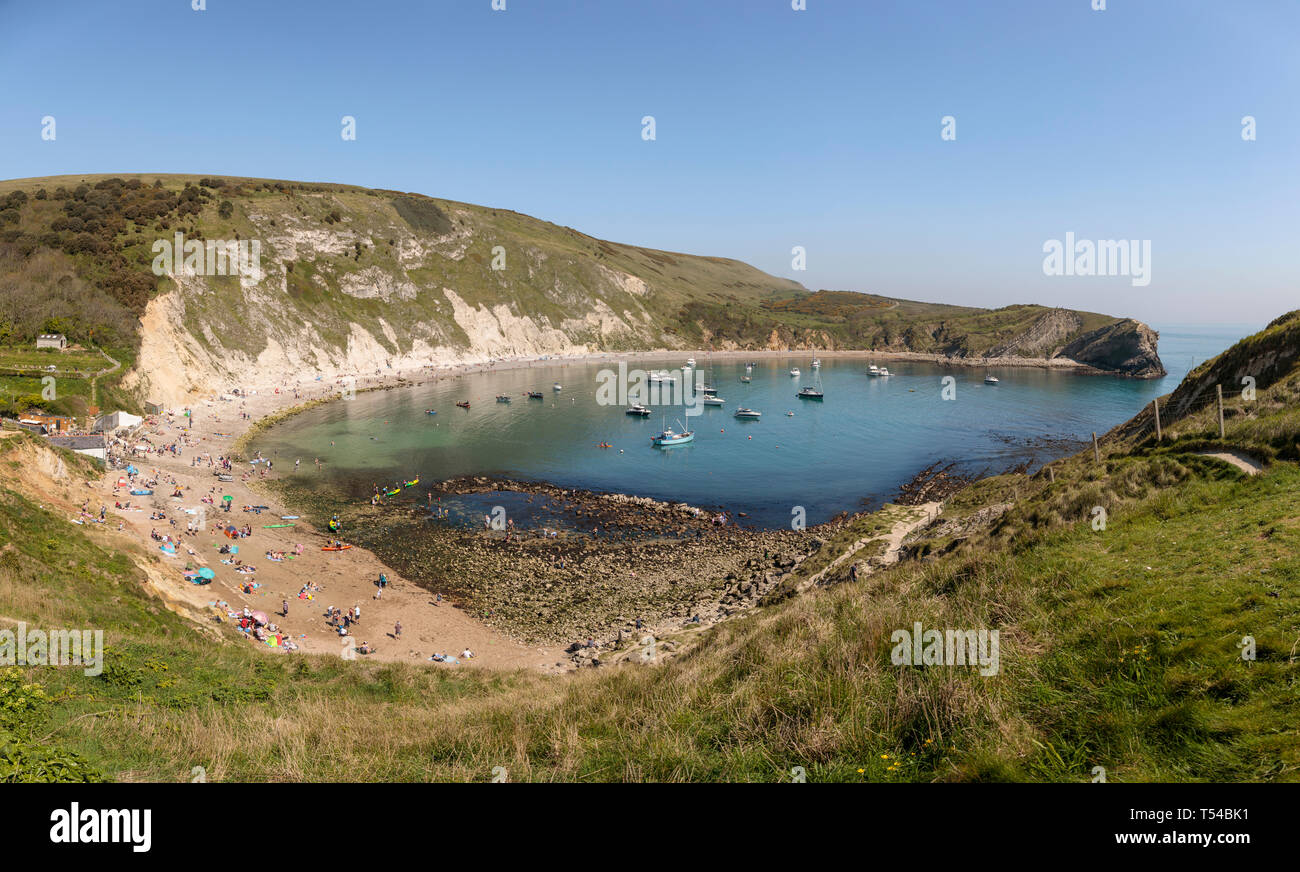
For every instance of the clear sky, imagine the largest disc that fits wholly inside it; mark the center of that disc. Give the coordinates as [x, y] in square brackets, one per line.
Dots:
[775, 128]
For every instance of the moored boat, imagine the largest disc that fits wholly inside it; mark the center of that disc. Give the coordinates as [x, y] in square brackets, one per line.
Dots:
[638, 410]
[743, 412]
[502, 398]
[670, 437]
[464, 404]
[711, 400]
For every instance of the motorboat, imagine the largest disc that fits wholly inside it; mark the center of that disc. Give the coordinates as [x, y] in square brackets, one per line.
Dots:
[638, 410]
[743, 412]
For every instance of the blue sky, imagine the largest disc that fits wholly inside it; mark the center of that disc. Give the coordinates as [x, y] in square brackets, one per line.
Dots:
[775, 128]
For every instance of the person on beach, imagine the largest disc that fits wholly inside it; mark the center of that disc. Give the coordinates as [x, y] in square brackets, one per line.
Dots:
[356, 613]
[397, 629]
[284, 608]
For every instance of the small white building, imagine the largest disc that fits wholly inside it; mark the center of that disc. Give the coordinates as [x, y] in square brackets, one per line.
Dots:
[116, 421]
[52, 340]
[89, 445]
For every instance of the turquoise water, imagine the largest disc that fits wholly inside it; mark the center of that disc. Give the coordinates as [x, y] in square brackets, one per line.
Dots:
[851, 451]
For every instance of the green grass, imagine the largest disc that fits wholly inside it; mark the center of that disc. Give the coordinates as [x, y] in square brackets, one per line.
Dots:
[1119, 648]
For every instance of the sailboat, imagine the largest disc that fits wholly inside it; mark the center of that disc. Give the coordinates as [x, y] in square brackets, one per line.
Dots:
[817, 364]
[813, 392]
[708, 389]
[990, 379]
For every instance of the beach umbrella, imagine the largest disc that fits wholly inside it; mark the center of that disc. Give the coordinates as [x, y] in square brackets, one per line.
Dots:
[206, 573]
[227, 498]
[260, 617]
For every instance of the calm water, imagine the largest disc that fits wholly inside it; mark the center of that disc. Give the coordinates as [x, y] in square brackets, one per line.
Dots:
[853, 450]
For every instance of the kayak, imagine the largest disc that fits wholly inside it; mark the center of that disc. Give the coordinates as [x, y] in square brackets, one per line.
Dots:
[141, 493]
[394, 492]
[273, 526]
[335, 547]
[413, 483]
[288, 517]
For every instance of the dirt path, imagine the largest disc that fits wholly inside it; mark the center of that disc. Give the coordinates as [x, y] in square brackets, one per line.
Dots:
[1244, 462]
[914, 517]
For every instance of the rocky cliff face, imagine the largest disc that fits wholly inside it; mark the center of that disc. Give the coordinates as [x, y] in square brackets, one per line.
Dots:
[1127, 347]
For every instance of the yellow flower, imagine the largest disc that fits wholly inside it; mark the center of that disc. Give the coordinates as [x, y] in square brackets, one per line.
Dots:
[884, 756]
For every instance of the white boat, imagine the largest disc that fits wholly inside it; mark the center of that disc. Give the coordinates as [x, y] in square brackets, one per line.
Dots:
[557, 387]
[794, 372]
[661, 375]
[690, 361]
[813, 391]
[746, 379]
[817, 364]
[742, 412]
[990, 379]
[639, 410]
[884, 370]
[710, 400]
[873, 370]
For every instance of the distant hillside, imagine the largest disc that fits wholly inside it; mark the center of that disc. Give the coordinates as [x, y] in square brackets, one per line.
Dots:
[353, 280]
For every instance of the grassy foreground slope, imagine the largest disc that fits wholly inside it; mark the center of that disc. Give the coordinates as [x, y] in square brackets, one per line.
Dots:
[1120, 648]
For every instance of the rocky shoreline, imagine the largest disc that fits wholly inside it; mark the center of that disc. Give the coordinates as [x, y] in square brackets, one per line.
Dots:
[624, 558]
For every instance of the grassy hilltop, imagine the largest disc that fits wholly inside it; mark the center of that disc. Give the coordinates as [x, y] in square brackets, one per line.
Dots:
[354, 279]
[1120, 647]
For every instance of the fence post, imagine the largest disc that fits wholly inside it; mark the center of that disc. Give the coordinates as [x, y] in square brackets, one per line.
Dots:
[1218, 389]
[1096, 452]
[1155, 404]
